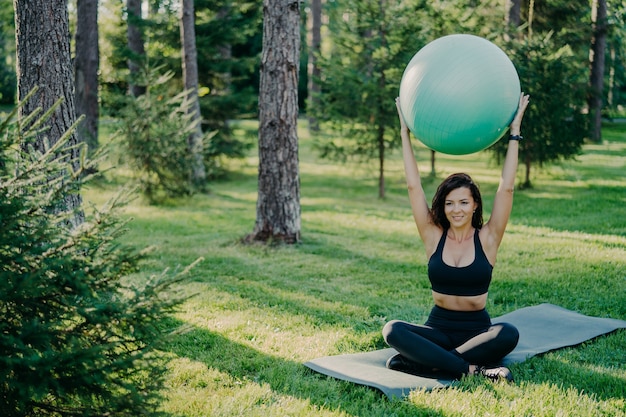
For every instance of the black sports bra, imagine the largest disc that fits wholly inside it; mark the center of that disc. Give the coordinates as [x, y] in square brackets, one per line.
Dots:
[473, 279]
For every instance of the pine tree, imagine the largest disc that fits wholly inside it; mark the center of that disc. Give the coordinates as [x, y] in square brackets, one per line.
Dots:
[76, 337]
[155, 128]
[555, 125]
[372, 43]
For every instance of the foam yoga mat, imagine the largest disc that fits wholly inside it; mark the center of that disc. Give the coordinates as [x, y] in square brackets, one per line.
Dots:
[542, 328]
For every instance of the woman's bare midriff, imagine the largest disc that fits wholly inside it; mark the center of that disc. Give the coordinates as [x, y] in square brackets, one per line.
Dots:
[460, 302]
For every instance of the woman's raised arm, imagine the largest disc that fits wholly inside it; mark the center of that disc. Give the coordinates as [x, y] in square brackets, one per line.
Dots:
[429, 233]
[503, 201]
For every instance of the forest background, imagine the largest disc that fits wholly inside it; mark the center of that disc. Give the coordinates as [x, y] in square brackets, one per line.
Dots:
[570, 55]
[87, 341]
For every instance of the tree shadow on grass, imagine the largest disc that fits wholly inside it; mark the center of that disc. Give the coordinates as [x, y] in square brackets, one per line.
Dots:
[247, 365]
[329, 297]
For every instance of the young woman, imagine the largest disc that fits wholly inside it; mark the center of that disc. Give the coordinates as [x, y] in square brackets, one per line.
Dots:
[458, 338]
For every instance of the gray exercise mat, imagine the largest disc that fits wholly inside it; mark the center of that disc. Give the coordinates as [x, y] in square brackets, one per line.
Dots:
[542, 328]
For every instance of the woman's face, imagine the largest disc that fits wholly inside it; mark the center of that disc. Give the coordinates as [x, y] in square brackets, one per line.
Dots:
[459, 207]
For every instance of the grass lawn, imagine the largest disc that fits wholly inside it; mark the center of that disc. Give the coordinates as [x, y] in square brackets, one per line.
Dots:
[259, 313]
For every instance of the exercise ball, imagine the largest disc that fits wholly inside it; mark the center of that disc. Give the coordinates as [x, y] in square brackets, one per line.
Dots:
[459, 93]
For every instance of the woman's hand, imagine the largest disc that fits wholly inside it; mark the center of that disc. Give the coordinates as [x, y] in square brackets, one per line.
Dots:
[516, 124]
[403, 126]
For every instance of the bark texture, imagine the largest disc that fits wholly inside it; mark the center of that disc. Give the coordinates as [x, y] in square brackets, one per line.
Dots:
[313, 70]
[86, 66]
[513, 16]
[597, 57]
[190, 78]
[135, 45]
[43, 60]
[278, 204]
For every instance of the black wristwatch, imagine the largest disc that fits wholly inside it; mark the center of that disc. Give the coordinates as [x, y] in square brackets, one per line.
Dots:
[516, 137]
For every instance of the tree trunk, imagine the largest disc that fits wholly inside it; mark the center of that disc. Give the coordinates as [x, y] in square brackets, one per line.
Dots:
[86, 66]
[433, 173]
[381, 162]
[513, 16]
[278, 204]
[597, 55]
[315, 41]
[42, 39]
[527, 164]
[611, 81]
[225, 51]
[531, 14]
[226, 54]
[381, 136]
[190, 78]
[135, 45]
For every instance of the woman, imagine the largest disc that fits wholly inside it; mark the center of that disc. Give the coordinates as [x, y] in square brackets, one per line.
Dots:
[458, 338]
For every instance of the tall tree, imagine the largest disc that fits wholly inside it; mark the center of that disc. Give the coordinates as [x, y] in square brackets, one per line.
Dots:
[513, 17]
[136, 46]
[278, 204]
[315, 41]
[373, 41]
[190, 79]
[44, 62]
[596, 78]
[225, 51]
[229, 43]
[86, 65]
[554, 124]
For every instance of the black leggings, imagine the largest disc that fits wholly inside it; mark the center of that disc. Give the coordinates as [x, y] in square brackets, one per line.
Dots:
[450, 341]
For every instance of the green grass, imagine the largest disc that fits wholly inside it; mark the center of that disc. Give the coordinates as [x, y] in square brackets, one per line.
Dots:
[259, 313]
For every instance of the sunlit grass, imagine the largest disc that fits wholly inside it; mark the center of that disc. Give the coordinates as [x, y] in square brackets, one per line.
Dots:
[258, 313]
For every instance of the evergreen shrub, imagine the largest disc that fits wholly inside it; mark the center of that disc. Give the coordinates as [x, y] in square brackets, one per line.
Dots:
[77, 336]
[154, 128]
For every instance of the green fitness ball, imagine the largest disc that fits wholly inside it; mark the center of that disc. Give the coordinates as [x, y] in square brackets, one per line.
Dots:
[459, 93]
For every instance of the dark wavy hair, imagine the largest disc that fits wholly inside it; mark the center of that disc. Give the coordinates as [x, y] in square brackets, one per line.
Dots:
[453, 182]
